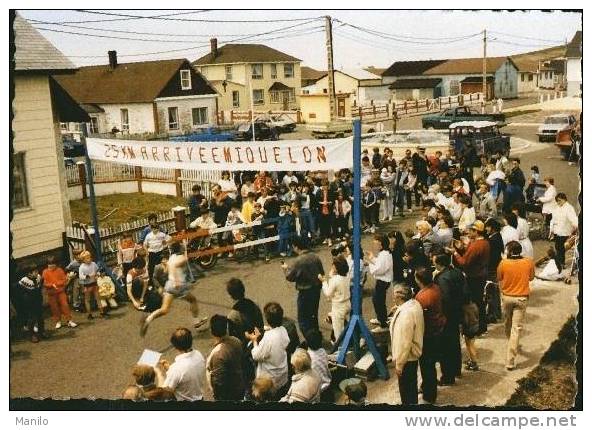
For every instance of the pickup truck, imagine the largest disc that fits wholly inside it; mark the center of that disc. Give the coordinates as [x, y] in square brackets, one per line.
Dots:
[443, 119]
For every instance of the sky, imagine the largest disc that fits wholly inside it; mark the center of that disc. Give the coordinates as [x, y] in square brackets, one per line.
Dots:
[386, 35]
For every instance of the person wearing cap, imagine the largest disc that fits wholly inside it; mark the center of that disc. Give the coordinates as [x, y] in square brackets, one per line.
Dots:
[474, 261]
[356, 391]
[420, 163]
[514, 274]
[496, 249]
[407, 331]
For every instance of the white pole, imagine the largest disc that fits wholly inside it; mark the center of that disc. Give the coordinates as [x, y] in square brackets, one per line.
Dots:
[252, 109]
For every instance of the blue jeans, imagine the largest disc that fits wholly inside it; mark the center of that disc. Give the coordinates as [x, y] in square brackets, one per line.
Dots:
[308, 309]
[307, 224]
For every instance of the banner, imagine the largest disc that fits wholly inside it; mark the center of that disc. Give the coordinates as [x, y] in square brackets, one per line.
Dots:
[280, 155]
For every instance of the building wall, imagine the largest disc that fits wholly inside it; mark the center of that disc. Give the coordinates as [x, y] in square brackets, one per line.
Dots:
[315, 109]
[141, 117]
[546, 79]
[375, 93]
[574, 77]
[506, 81]
[526, 86]
[39, 227]
[184, 106]
[241, 73]
[413, 94]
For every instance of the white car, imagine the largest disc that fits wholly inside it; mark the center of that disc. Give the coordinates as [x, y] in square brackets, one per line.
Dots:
[554, 124]
[282, 122]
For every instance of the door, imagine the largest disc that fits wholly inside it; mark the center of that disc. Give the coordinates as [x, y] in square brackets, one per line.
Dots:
[340, 108]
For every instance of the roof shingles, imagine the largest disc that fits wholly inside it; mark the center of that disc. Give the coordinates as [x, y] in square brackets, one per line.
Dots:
[245, 53]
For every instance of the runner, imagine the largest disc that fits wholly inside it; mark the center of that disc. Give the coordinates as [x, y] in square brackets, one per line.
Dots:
[177, 287]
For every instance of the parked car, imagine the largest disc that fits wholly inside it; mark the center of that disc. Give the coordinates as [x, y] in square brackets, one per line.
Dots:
[443, 119]
[72, 148]
[207, 134]
[262, 132]
[283, 123]
[553, 124]
[472, 139]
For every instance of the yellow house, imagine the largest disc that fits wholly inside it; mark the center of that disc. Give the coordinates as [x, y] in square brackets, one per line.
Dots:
[316, 108]
[241, 72]
[39, 203]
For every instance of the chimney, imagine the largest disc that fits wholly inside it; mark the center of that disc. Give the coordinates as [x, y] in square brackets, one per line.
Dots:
[214, 47]
[112, 59]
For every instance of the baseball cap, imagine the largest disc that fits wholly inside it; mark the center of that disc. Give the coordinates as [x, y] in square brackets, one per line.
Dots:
[478, 226]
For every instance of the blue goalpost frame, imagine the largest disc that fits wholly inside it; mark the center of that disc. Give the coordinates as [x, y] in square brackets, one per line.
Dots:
[357, 327]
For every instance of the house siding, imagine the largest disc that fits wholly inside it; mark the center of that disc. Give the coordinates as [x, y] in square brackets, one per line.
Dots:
[527, 86]
[185, 118]
[574, 77]
[36, 130]
[506, 81]
[241, 73]
[414, 94]
[140, 115]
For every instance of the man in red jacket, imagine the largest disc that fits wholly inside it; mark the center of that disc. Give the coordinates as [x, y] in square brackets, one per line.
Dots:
[474, 261]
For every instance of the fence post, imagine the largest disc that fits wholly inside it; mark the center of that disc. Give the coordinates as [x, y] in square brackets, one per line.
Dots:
[416, 106]
[82, 177]
[138, 176]
[387, 110]
[374, 110]
[178, 185]
[360, 112]
[180, 220]
[405, 106]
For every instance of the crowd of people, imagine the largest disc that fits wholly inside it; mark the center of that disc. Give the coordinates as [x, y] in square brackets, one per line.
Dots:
[467, 264]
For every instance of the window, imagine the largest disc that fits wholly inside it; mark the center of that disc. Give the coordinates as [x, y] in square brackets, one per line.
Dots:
[124, 120]
[292, 95]
[257, 71]
[235, 99]
[94, 124]
[454, 88]
[522, 76]
[288, 70]
[273, 71]
[185, 79]
[64, 126]
[77, 127]
[21, 195]
[173, 118]
[530, 77]
[258, 97]
[199, 115]
[228, 70]
[274, 97]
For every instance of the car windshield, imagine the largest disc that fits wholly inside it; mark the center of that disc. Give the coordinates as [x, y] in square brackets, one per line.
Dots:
[556, 120]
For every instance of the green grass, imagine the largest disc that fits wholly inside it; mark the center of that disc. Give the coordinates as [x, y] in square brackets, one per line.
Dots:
[552, 384]
[520, 112]
[129, 207]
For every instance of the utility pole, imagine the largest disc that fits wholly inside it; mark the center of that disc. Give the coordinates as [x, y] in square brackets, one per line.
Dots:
[330, 69]
[484, 65]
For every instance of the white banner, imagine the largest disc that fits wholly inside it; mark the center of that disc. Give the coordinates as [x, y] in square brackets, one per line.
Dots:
[281, 155]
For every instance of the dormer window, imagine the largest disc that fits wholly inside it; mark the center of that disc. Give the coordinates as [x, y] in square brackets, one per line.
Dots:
[185, 79]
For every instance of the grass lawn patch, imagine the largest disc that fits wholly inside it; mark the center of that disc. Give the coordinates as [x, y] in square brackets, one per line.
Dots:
[552, 384]
[520, 112]
[130, 207]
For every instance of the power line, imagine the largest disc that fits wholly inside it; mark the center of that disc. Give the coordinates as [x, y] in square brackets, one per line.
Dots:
[526, 37]
[505, 42]
[167, 18]
[131, 17]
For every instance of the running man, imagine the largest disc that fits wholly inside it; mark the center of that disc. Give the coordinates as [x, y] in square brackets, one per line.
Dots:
[177, 287]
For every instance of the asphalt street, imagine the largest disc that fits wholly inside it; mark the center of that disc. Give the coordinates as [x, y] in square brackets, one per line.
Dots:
[95, 359]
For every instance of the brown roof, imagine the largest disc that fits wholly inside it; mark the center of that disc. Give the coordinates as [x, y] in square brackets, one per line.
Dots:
[574, 49]
[139, 82]
[466, 65]
[278, 86]
[411, 68]
[308, 73]
[245, 53]
[34, 52]
[529, 61]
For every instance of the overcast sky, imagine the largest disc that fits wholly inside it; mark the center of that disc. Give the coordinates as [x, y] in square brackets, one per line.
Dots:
[522, 32]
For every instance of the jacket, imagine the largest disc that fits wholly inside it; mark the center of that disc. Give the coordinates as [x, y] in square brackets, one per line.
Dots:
[475, 260]
[548, 200]
[407, 330]
[305, 388]
[224, 369]
[430, 299]
[305, 272]
[564, 220]
[453, 286]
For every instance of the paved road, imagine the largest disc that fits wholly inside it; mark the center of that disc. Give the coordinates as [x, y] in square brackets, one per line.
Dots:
[94, 360]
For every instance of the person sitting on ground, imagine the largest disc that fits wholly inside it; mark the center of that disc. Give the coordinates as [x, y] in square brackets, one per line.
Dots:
[306, 384]
[106, 290]
[551, 270]
[319, 358]
[262, 389]
[145, 377]
[356, 391]
[270, 351]
[134, 393]
[137, 283]
[186, 376]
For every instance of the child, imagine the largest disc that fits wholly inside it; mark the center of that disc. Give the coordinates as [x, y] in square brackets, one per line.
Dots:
[285, 230]
[204, 221]
[54, 280]
[248, 205]
[87, 275]
[356, 391]
[106, 290]
[551, 270]
[73, 286]
[32, 304]
[320, 362]
[258, 230]
[234, 218]
[126, 252]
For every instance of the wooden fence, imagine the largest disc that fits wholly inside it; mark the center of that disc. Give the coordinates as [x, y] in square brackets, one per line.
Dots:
[232, 117]
[384, 111]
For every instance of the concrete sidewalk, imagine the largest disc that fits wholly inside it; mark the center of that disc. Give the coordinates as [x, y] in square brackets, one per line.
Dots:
[550, 306]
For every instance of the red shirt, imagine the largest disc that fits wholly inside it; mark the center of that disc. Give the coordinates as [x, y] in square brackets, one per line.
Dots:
[56, 277]
[475, 260]
[430, 299]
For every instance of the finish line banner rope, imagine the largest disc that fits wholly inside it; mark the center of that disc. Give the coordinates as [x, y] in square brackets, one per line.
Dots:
[282, 155]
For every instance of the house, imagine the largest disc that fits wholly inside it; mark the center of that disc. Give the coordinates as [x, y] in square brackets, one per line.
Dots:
[359, 83]
[406, 80]
[159, 97]
[460, 76]
[316, 108]
[245, 73]
[573, 55]
[39, 202]
[544, 68]
[308, 75]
